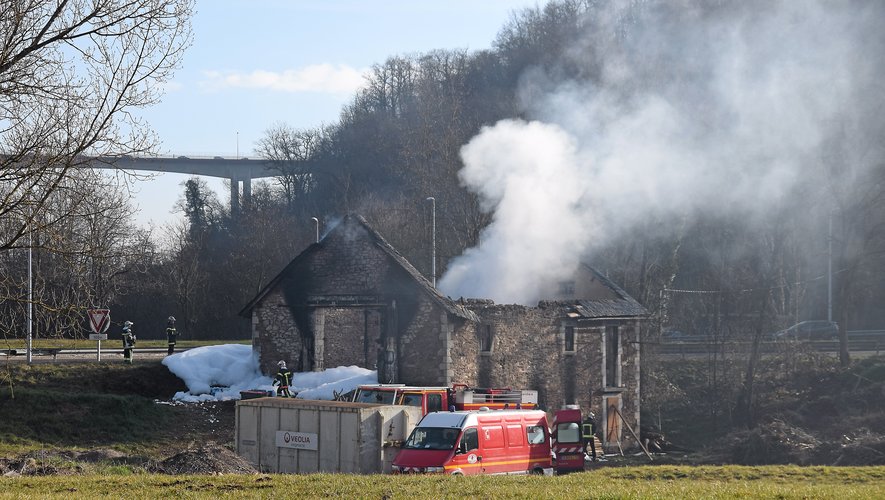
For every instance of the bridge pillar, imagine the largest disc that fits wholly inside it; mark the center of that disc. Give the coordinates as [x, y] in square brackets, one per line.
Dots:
[235, 194]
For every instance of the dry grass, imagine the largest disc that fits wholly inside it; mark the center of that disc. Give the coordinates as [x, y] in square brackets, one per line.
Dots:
[629, 482]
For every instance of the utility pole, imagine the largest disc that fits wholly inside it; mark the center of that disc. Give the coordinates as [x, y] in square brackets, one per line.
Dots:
[30, 289]
[830, 269]
[432, 201]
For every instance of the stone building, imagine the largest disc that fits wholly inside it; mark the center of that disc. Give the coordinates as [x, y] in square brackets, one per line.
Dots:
[352, 299]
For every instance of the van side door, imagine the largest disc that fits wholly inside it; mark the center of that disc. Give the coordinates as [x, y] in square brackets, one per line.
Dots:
[496, 456]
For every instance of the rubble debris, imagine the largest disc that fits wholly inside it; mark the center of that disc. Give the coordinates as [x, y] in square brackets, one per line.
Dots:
[776, 442]
[208, 459]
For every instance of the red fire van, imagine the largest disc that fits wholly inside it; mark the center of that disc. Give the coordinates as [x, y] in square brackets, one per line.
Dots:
[478, 442]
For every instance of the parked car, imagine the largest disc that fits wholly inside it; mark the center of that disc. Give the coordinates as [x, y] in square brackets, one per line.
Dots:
[810, 330]
[674, 336]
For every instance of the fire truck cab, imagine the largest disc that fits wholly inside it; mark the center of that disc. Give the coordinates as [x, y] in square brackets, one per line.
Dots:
[478, 442]
[457, 397]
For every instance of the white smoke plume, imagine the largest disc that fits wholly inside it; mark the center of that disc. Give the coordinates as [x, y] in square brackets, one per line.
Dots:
[694, 109]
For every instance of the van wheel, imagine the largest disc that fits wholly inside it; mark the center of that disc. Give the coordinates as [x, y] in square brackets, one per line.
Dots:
[457, 473]
[537, 472]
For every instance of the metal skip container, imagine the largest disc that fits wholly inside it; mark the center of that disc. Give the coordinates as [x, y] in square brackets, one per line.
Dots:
[302, 436]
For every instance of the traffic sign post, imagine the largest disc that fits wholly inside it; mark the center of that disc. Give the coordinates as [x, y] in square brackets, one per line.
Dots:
[99, 321]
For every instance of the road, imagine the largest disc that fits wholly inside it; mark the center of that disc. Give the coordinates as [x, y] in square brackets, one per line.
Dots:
[66, 355]
[861, 343]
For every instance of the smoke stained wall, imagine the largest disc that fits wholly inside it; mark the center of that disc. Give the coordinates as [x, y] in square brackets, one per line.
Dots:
[677, 109]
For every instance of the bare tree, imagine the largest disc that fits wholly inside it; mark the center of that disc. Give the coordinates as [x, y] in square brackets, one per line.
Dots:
[293, 154]
[71, 74]
[82, 248]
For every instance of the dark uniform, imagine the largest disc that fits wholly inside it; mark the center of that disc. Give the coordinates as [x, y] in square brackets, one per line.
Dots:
[283, 379]
[171, 333]
[588, 433]
[128, 341]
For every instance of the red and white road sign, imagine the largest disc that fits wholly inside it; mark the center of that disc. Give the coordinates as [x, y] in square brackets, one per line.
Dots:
[99, 319]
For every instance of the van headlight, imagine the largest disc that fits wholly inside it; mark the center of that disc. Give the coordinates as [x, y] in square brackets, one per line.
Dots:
[435, 469]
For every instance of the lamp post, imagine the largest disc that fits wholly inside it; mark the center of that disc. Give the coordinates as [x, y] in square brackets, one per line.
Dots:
[830, 269]
[432, 201]
[30, 294]
[316, 223]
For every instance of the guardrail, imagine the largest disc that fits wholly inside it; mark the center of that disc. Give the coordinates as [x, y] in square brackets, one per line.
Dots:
[858, 341]
[56, 352]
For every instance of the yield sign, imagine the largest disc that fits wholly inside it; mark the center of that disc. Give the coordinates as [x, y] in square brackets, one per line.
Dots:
[99, 319]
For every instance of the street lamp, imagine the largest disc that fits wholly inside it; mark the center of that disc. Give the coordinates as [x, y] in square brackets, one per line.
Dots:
[830, 269]
[30, 291]
[432, 201]
[316, 223]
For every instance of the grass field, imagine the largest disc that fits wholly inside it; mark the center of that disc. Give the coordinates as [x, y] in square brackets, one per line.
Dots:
[47, 408]
[629, 482]
[86, 404]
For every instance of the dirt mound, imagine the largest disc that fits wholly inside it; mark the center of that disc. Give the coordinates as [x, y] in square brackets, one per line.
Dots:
[208, 459]
[27, 466]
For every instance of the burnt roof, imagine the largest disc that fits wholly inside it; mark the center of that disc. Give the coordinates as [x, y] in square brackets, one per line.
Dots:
[624, 305]
[446, 303]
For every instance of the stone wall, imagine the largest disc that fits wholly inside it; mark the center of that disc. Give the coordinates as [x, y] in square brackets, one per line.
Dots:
[275, 336]
[630, 376]
[528, 352]
[348, 262]
[625, 395]
[423, 349]
[350, 336]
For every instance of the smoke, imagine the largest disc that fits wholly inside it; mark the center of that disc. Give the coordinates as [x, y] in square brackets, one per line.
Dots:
[683, 108]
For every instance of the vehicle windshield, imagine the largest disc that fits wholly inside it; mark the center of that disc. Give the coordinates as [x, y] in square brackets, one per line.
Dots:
[375, 396]
[432, 438]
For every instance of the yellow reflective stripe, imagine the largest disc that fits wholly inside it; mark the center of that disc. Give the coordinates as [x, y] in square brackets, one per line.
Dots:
[491, 464]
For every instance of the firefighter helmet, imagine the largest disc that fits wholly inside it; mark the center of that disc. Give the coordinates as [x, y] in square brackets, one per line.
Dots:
[282, 364]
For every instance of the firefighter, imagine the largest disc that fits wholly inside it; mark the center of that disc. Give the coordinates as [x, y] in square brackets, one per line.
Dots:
[128, 341]
[284, 377]
[588, 433]
[171, 333]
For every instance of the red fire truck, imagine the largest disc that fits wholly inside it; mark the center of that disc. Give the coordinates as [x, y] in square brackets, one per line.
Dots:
[458, 397]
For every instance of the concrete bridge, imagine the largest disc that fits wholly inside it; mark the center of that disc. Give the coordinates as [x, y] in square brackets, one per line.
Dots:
[238, 170]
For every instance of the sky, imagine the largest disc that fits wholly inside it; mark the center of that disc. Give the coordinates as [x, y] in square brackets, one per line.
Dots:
[220, 372]
[697, 110]
[256, 64]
